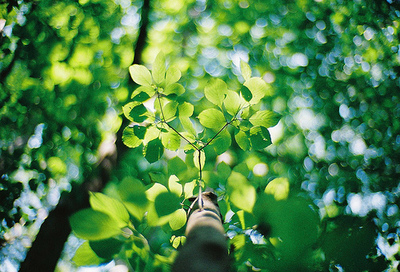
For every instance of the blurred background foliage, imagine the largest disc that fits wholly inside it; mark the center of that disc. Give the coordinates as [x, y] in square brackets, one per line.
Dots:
[333, 66]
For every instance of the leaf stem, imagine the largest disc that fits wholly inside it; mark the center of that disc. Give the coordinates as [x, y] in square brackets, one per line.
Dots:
[164, 121]
[216, 135]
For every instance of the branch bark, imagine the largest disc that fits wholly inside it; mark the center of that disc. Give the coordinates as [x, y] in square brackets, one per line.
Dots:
[49, 243]
[206, 247]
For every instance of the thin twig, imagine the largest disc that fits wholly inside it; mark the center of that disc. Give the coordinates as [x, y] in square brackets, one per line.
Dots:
[216, 135]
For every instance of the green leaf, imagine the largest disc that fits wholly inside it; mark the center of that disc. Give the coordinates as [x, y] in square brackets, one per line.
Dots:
[174, 88]
[158, 69]
[135, 112]
[138, 113]
[222, 142]
[152, 133]
[153, 150]
[177, 241]
[178, 219]
[215, 91]
[174, 186]
[185, 109]
[187, 125]
[127, 109]
[212, 118]
[199, 162]
[224, 170]
[133, 194]
[141, 97]
[239, 241]
[133, 136]
[245, 70]
[90, 224]
[172, 76]
[85, 256]
[176, 166]
[140, 75]
[171, 140]
[292, 224]
[259, 138]
[143, 89]
[258, 88]
[189, 187]
[155, 190]
[246, 94]
[243, 140]
[113, 207]
[107, 248]
[265, 118]
[241, 193]
[279, 188]
[169, 111]
[232, 102]
[167, 203]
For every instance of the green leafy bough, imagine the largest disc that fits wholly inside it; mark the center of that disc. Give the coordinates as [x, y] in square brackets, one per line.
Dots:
[161, 120]
[153, 126]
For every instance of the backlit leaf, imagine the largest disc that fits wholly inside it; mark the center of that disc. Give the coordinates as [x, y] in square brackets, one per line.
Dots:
[85, 256]
[143, 89]
[265, 118]
[215, 91]
[279, 188]
[245, 70]
[243, 141]
[258, 88]
[155, 190]
[169, 111]
[232, 102]
[90, 224]
[140, 75]
[172, 76]
[133, 194]
[131, 136]
[212, 118]
[177, 219]
[174, 88]
[222, 142]
[186, 109]
[187, 125]
[174, 186]
[113, 207]
[241, 193]
[158, 69]
[171, 140]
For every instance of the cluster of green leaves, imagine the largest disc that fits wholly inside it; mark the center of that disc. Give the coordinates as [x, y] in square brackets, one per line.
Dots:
[108, 220]
[167, 120]
[109, 232]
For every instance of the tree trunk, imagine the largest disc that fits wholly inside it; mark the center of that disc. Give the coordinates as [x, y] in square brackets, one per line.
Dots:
[206, 247]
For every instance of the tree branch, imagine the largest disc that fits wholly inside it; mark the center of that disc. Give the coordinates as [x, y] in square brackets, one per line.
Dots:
[205, 249]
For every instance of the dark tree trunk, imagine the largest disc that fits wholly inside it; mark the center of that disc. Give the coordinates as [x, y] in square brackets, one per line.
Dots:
[205, 249]
[49, 243]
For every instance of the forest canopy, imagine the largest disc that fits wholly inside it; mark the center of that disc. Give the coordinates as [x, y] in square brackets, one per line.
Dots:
[288, 110]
